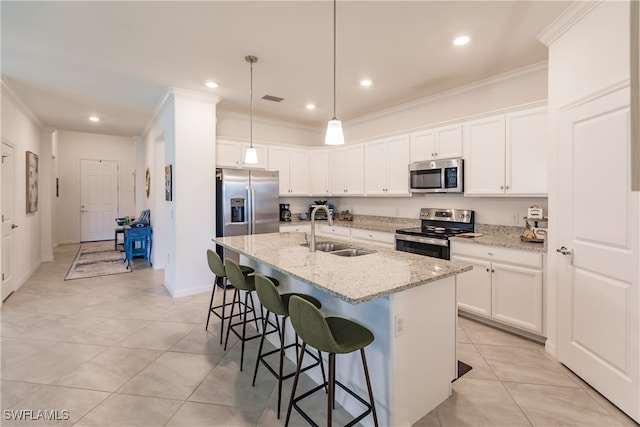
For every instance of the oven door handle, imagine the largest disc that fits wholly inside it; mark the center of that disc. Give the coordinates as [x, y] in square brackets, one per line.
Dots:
[426, 240]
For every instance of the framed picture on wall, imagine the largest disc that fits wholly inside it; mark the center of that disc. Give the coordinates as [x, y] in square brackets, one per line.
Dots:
[168, 194]
[32, 182]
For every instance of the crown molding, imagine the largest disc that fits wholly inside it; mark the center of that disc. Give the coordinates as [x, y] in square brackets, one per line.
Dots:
[510, 76]
[12, 94]
[266, 120]
[567, 19]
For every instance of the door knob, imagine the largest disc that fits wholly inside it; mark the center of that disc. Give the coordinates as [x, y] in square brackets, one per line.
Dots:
[14, 226]
[567, 252]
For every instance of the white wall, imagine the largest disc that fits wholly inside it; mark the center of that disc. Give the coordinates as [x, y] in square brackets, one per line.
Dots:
[22, 131]
[74, 146]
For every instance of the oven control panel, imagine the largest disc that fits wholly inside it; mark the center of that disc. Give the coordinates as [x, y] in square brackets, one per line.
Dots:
[452, 215]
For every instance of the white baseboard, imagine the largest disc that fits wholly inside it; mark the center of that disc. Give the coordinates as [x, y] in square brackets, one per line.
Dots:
[189, 291]
[24, 278]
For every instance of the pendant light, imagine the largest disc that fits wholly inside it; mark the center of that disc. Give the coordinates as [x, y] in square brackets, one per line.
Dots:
[251, 156]
[334, 127]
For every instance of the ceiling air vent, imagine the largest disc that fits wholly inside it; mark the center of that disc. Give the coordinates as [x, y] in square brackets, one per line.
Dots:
[272, 98]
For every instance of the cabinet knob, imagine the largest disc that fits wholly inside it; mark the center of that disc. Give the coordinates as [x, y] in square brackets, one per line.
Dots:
[492, 270]
[489, 253]
[436, 154]
[487, 270]
[507, 187]
[502, 187]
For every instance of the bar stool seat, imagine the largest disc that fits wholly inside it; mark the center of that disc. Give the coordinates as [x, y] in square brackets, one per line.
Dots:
[246, 284]
[278, 305]
[217, 268]
[333, 335]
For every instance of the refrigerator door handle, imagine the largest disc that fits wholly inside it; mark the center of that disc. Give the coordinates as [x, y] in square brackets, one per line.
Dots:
[252, 229]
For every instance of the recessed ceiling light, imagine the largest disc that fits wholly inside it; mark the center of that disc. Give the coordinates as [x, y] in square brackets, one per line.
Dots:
[94, 118]
[461, 41]
[366, 83]
[211, 85]
[310, 106]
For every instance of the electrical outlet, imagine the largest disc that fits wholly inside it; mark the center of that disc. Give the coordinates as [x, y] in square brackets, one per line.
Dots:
[399, 326]
[515, 218]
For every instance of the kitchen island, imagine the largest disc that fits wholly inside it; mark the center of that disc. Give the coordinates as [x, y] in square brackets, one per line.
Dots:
[408, 301]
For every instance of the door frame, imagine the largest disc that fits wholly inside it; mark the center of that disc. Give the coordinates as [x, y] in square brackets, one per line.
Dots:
[11, 282]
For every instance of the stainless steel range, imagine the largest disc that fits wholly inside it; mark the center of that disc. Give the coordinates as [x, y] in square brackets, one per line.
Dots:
[432, 238]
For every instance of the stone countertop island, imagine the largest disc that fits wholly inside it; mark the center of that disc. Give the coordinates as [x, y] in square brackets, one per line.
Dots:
[408, 301]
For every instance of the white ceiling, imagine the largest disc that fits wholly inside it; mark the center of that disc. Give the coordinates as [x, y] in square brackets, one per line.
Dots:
[68, 60]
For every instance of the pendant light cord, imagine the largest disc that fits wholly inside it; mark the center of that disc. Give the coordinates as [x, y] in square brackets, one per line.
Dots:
[251, 109]
[334, 60]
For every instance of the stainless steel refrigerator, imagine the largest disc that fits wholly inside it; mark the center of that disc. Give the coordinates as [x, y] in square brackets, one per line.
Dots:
[247, 202]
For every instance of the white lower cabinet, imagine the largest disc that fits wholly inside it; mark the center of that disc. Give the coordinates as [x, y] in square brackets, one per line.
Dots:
[327, 230]
[505, 284]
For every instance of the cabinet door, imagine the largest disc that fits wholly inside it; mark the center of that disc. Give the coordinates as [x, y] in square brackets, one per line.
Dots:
[449, 142]
[517, 296]
[484, 148]
[279, 161]
[338, 171]
[355, 170]
[526, 152]
[327, 230]
[319, 173]
[299, 172]
[375, 167]
[227, 154]
[398, 165]
[423, 145]
[380, 238]
[263, 156]
[474, 287]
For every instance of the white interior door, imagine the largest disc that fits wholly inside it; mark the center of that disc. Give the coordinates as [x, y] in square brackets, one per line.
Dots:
[98, 199]
[597, 278]
[8, 218]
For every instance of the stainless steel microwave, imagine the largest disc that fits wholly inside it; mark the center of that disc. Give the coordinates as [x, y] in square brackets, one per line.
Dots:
[437, 176]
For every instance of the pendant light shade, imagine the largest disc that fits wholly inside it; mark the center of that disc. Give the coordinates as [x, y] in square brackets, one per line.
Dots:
[251, 156]
[334, 133]
[334, 127]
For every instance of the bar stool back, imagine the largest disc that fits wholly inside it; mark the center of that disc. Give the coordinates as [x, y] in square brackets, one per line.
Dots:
[334, 335]
[278, 304]
[246, 284]
[217, 268]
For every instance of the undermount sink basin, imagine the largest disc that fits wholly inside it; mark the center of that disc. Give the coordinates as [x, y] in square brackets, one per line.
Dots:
[352, 252]
[329, 246]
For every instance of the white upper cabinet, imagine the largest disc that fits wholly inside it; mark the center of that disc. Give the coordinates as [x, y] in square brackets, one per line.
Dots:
[230, 154]
[293, 167]
[527, 159]
[506, 154]
[438, 143]
[346, 167]
[484, 151]
[319, 173]
[386, 166]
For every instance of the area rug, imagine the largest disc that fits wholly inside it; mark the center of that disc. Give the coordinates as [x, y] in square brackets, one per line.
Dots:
[97, 259]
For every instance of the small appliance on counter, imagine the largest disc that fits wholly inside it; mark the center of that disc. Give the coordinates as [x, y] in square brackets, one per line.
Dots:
[285, 212]
[322, 214]
[532, 230]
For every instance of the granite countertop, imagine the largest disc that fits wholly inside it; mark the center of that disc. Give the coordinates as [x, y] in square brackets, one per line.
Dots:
[352, 279]
[502, 236]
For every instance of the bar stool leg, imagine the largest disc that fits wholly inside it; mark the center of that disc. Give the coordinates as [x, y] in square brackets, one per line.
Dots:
[236, 294]
[332, 387]
[213, 293]
[295, 383]
[264, 328]
[366, 376]
[225, 281]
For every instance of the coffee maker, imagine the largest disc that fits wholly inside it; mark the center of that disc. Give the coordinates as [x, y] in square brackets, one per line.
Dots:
[285, 212]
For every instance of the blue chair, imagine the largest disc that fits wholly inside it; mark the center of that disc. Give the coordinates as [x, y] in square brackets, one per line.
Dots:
[137, 242]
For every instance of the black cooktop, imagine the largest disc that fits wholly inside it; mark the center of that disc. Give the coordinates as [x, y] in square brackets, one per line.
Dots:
[433, 232]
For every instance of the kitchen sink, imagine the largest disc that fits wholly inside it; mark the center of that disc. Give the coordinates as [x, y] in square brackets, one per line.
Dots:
[329, 246]
[352, 252]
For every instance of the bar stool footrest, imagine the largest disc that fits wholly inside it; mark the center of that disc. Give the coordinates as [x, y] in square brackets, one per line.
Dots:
[289, 375]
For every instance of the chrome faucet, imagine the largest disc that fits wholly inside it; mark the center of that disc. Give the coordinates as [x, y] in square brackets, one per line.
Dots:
[312, 238]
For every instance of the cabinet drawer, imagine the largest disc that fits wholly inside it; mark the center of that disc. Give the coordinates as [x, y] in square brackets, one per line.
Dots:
[378, 237]
[493, 253]
[302, 228]
[332, 230]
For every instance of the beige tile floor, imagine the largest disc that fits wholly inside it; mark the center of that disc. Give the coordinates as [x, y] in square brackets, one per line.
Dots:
[118, 350]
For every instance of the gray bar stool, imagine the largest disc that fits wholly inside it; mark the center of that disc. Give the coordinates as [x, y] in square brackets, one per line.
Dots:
[246, 284]
[278, 304]
[217, 268]
[334, 335]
